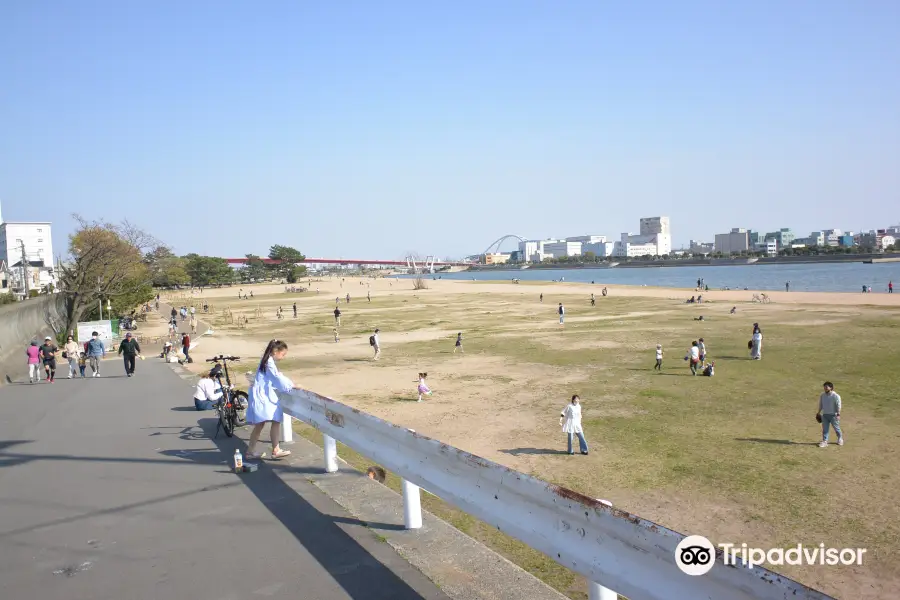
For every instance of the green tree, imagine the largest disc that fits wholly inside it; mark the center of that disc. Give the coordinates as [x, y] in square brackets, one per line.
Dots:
[106, 263]
[255, 269]
[166, 269]
[208, 270]
[288, 268]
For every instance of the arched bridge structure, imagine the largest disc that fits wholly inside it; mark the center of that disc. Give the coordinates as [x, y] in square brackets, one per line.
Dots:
[495, 247]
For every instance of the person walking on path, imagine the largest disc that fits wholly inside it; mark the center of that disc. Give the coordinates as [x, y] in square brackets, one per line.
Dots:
[193, 324]
[48, 355]
[33, 352]
[95, 351]
[570, 419]
[174, 313]
[458, 345]
[129, 349]
[562, 314]
[186, 348]
[375, 342]
[337, 316]
[694, 357]
[659, 356]
[829, 414]
[264, 406]
[71, 354]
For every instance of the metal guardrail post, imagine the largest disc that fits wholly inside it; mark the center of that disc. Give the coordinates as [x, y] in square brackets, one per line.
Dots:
[287, 429]
[598, 592]
[412, 506]
[330, 445]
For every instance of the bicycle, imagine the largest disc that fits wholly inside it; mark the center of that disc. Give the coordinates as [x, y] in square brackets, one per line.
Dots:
[232, 401]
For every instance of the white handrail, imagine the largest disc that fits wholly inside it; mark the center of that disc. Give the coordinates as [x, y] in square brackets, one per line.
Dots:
[608, 546]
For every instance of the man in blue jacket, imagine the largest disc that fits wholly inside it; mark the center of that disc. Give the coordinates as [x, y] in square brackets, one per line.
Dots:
[95, 351]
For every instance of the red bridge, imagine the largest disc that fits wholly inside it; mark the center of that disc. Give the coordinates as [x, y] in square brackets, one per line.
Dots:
[355, 261]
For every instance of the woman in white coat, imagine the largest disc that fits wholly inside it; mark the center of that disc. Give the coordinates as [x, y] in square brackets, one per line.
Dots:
[264, 406]
[570, 419]
[756, 349]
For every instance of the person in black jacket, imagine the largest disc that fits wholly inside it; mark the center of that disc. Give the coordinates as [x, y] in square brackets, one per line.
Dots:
[130, 349]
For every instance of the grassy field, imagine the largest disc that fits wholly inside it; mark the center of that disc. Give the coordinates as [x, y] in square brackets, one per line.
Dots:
[733, 457]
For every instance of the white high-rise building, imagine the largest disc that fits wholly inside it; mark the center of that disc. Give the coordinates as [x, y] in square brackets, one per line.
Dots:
[654, 239]
[35, 238]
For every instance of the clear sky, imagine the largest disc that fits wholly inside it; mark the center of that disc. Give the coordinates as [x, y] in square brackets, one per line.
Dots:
[364, 129]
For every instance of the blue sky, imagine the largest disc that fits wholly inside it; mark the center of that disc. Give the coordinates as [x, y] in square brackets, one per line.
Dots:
[363, 129]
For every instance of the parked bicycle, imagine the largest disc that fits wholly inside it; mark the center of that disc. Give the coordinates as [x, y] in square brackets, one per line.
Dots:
[232, 406]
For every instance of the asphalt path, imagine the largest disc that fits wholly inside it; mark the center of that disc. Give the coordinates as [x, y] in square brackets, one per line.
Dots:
[113, 488]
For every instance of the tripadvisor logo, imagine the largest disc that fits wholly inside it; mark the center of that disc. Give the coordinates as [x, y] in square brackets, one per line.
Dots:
[696, 555]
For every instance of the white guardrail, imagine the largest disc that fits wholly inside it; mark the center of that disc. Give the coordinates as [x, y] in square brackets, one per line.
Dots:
[612, 549]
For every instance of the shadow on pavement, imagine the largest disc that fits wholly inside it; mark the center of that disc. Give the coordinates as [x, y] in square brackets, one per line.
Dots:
[361, 575]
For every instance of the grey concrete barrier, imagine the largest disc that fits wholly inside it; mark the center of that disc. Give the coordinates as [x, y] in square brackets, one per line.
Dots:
[22, 322]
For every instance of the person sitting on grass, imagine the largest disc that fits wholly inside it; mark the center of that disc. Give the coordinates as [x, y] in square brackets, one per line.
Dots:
[710, 369]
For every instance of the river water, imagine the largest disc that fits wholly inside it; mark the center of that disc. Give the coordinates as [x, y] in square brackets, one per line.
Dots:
[815, 277]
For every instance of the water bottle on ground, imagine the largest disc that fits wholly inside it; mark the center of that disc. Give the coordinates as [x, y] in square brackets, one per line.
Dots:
[238, 462]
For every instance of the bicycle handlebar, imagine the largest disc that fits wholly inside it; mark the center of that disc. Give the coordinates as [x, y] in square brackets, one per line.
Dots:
[222, 357]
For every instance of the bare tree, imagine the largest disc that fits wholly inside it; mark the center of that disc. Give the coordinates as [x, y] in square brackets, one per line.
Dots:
[106, 261]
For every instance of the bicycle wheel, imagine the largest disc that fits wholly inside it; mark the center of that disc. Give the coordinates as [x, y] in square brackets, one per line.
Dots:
[240, 399]
[226, 414]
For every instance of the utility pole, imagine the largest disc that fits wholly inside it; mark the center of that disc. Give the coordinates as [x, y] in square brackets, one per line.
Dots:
[24, 268]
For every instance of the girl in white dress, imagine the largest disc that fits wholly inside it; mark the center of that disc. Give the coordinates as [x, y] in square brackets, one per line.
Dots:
[264, 406]
[570, 419]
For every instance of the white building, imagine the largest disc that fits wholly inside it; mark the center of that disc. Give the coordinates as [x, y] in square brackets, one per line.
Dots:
[601, 249]
[35, 241]
[562, 249]
[737, 240]
[536, 250]
[587, 239]
[655, 239]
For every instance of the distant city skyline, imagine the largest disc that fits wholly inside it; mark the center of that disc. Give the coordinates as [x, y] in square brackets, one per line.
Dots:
[374, 130]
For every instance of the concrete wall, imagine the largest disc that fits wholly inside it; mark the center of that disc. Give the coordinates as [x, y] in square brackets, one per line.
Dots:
[20, 323]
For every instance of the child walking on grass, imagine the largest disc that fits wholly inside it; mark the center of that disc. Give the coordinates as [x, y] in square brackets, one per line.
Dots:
[659, 354]
[423, 387]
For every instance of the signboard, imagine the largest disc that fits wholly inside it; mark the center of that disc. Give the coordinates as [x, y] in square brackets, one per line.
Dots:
[104, 328]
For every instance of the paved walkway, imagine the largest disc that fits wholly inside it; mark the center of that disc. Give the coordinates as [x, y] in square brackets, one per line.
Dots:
[112, 488]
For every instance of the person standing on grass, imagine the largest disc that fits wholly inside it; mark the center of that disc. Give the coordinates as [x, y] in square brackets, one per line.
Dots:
[71, 349]
[369, 296]
[295, 310]
[264, 406]
[756, 343]
[542, 296]
[337, 316]
[130, 349]
[694, 357]
[830, 414]
[48, 355]
[95, 351]
[337, 336]
[348, 297]
[659, 356]
[702, 346]
[890, 287]
[375, 342]
[593, 302]
[570, 419]
[459, 345]
[562, 314]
